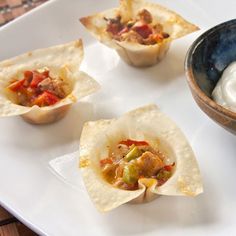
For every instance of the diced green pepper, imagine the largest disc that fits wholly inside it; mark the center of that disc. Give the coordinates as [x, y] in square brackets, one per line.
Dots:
[130, 174]
[163, 175]
[130, 23]
[133, 153]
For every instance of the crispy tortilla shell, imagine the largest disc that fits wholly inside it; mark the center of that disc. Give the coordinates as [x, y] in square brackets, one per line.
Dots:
[62, 61]
[134, 53]
[145, 123]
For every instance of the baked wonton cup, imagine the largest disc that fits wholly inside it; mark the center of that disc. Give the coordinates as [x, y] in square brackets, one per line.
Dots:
[134, 53]
[145, 123]
[62, 61]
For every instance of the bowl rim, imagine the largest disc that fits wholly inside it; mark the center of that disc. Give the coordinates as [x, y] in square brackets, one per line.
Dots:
[190, 76]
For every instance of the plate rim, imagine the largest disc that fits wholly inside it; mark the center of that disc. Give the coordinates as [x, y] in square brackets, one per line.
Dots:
[23, 220]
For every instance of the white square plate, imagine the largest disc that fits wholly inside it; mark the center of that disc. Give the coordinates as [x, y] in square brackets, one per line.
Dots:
[45, 190]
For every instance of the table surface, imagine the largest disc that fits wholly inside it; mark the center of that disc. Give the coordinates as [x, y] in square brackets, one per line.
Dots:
[10, 226]
[9, 10]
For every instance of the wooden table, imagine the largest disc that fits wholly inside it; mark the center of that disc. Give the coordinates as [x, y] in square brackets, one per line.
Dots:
[9, 10]
[10, 226]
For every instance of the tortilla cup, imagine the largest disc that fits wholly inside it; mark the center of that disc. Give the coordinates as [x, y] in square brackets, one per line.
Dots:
[145, 123]
[134, 53]
[62, 61]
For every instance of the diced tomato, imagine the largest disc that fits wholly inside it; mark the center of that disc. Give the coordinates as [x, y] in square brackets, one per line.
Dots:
[114, 28]
[168, 168]
[37, 78]
[130, 186]
[46, 99]
[124, 30]
[142, 29]
[46, 73]
[158, 37]
[130, 142]
[29, 93]
[105, 161]
[28, 75]
[17, 85]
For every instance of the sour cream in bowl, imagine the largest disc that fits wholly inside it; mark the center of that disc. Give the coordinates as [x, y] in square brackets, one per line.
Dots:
[225, 91]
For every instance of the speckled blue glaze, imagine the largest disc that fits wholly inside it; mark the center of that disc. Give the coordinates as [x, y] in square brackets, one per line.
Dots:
[211, 53]
[205, 62]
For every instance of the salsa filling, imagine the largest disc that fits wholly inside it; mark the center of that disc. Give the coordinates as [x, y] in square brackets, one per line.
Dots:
[38, 88]
[132, 160]
[140, 30]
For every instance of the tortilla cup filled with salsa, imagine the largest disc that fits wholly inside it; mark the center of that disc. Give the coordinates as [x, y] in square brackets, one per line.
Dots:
[136, 158]
[140, 32]
[41, 85]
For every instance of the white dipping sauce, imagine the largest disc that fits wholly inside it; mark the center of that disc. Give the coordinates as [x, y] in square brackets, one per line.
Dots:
[225, 91]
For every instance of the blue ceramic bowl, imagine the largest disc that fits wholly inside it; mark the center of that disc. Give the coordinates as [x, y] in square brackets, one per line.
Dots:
[205, 62]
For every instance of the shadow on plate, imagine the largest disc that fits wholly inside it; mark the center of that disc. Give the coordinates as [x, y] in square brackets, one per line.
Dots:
[165, 212]
[59, 134]
[170, 68]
